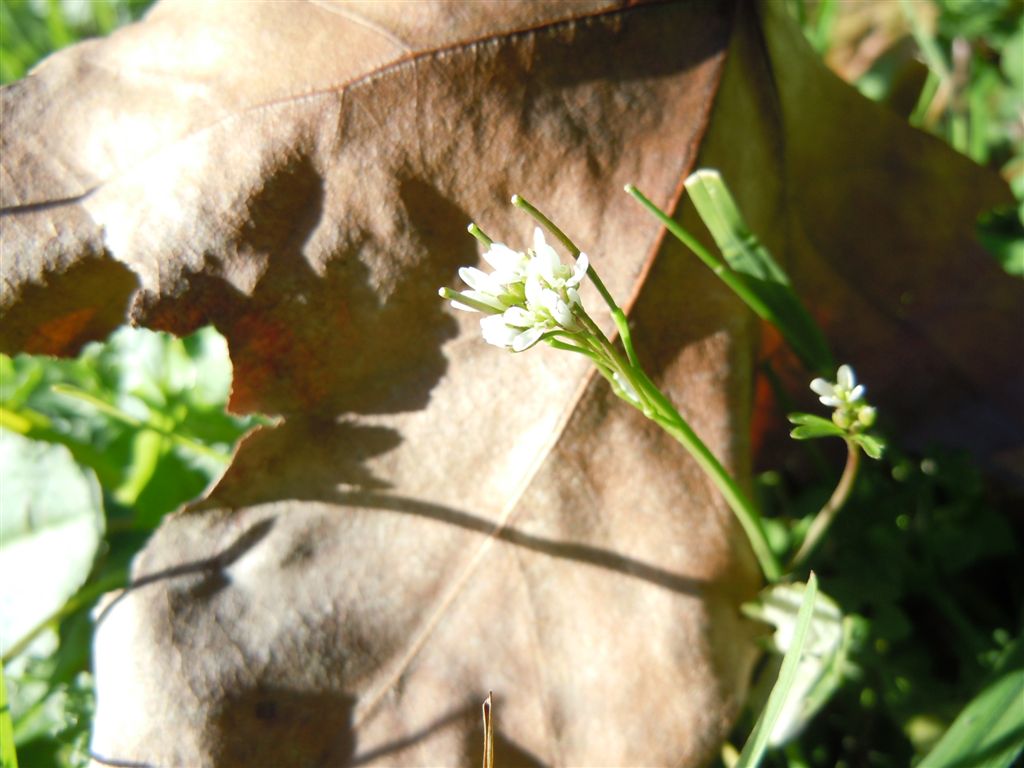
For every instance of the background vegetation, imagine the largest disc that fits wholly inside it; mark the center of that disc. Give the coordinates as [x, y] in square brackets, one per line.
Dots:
[926, 556]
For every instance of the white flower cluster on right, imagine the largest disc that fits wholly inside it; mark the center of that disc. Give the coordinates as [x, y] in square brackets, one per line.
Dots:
[527, 297]
[846, 396]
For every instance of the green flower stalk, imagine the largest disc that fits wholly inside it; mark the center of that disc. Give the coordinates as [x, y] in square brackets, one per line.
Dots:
[852, 417]
[533, 296]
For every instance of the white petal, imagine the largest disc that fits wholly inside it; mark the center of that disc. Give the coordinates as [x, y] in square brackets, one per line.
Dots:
[545, 260]
[539, 242]
[474, 278]
[574, 297]
[823, 387]
[527, 339]
[550, 300]
[830, 401]
[534, 291]
[844, 377]
[580, 271]
[464, 307]
[496, 332]
[517, 317]
[503, 278]
[856, 393]
[504, 259]
[562, 315]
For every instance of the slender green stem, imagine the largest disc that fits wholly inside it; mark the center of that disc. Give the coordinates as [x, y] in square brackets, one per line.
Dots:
[479, 234]
[8, 754]
[126, 418]
[823, 26]
[925, 98]
[521, 202]
[748, 516]
[479, 306]
[659, 409]
[627, 338]
[617, 314]
[828, 512]
[653, 403]
[572, 348]
[716, 265]
[616, 364]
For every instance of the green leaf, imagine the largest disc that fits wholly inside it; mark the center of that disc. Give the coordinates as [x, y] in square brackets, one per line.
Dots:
[8, 755]
[872, 446]
[762, 275]
[757, 743]
[989, 732]
[144, 410]
[51, 527]
[811, 426]
[823, 664]
[810, 418]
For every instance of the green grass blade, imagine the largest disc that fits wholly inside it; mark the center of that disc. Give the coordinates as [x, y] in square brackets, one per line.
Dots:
[8, 757]
[823, 26]
[989, 732]
[760, 273]
[757, 743]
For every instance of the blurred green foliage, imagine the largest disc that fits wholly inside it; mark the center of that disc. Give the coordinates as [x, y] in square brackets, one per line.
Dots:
[965, 78]
[142, 413]
[145, 411]
[32, 29]
[925, 558]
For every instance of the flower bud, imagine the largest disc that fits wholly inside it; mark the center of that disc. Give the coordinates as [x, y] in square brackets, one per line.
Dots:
[866, 416]
[842, 418]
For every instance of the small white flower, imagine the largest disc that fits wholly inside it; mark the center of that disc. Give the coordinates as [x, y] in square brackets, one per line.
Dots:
[852, 413]
[484, 288]
[547, 305]
[520, 327]
[527, 295]
[499, 289]
[841, 394]
[501, 332]
[509, 266]
[548, 267]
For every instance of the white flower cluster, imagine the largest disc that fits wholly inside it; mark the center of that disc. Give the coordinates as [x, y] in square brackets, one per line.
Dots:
[527, 296]
[847, 397]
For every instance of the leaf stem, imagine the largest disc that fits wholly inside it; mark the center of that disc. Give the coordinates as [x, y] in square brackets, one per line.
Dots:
[126, 418]
[657, 407]
[521, 202]
[828, 512]
[652, 402]
[568, 347]
[749, 518]
[618, 315]
[479, 306]
[758, 740]
[479, 234]
[716, 265]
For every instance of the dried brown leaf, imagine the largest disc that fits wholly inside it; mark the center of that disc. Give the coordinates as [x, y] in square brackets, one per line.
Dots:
[435, 519]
